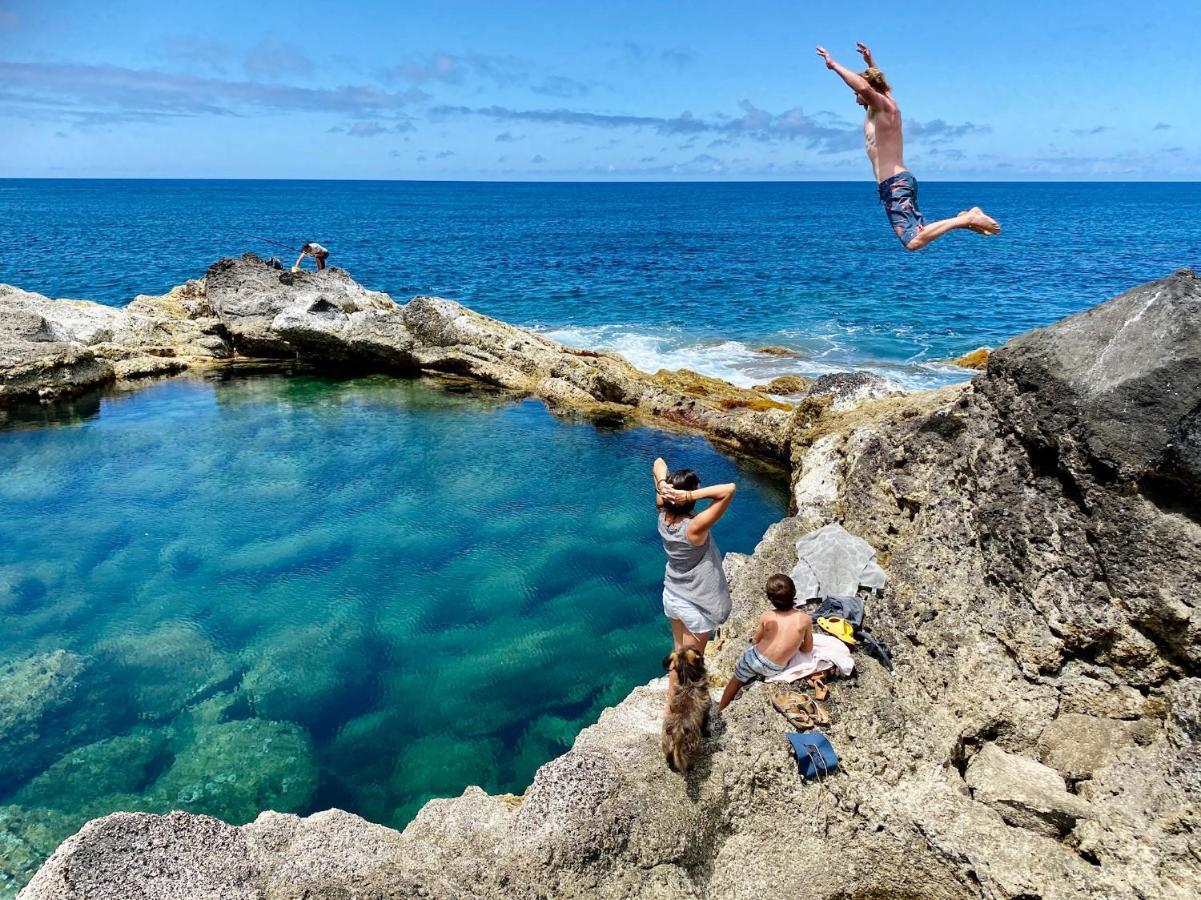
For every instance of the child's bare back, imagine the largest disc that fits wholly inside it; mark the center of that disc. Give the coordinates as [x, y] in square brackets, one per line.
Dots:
[782, 631]
[781, 634]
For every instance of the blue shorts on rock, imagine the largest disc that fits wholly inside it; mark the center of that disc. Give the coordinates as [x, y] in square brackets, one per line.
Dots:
[753, 665]
[899, 196]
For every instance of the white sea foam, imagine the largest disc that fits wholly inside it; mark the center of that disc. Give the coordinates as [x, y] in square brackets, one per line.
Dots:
[743, 365]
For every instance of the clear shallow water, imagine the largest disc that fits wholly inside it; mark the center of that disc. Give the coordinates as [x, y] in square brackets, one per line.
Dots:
[299, 593]
[670, 274]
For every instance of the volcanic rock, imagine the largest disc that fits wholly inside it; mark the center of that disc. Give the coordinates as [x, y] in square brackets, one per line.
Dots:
[847, 390]
[1042, 536]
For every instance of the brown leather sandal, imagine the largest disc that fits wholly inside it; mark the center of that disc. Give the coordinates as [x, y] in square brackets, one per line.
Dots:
[814, 710]
[791, 705]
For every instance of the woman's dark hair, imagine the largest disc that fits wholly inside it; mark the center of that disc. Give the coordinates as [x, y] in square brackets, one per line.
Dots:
[781, 592]
[682, 480]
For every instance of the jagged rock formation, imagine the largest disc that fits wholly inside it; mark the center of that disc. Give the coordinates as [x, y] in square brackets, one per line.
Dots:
[51, 349]
[1041, 737]
[846, 390]
[58, 348]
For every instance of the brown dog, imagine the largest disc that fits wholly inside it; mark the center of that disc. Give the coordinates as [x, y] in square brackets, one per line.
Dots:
[687, 711]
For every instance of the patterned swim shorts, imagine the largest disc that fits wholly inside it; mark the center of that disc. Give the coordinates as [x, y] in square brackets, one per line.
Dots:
[899, 196]
[753, 665]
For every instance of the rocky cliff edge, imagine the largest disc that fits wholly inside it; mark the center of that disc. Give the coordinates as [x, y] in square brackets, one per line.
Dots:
[1041, 736]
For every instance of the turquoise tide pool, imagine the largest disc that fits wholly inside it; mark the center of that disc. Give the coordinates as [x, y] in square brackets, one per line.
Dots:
[294, 593]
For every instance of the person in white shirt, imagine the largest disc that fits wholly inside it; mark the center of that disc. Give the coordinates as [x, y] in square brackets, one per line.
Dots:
[319, 254]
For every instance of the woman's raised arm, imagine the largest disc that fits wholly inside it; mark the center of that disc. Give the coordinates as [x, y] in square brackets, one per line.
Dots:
[659, 472]
[721, 495]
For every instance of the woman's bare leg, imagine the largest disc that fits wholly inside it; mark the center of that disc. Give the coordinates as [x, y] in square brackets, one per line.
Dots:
[681, 637]
[677, 633]
[677, 641]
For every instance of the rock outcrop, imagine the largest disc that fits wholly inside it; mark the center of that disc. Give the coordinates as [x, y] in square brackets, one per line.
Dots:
[786, 385]
[51, 349]
[1041, 735]
[847, 390]
[976, 359]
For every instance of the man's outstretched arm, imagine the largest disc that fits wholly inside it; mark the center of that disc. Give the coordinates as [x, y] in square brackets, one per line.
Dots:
[854, 80]
[866, 54]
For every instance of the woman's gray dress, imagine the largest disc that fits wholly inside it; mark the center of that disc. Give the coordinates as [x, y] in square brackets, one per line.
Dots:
[695, 590]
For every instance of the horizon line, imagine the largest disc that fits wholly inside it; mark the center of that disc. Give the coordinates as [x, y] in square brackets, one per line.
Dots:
[613, 181]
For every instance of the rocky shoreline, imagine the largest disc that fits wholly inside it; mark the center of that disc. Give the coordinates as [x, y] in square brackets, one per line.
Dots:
[244, 309]
[1041, 529]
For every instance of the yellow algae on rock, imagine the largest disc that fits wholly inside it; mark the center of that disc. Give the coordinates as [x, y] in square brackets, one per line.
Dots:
[714, 391]
[786, 385]
[977, 359]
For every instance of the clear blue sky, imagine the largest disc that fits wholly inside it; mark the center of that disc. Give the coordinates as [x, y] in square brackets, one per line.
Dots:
[1092, 89]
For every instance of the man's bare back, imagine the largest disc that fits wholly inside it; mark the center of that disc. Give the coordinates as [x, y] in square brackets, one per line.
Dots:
[781, 634]
[884, 140]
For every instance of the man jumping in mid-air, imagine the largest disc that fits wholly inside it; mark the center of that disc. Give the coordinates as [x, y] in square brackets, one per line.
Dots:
[898, 187]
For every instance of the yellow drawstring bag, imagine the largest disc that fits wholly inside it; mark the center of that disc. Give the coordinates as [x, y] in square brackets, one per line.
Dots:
[840, 628]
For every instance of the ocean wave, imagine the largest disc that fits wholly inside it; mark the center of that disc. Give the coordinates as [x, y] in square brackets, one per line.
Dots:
[744, 365]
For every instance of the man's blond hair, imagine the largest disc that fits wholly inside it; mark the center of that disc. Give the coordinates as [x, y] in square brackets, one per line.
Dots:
[876, 79]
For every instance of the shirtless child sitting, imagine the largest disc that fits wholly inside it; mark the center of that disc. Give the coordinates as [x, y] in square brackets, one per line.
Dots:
[782, 631]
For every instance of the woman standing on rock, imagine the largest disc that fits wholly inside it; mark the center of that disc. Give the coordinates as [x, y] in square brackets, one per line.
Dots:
[696, 597]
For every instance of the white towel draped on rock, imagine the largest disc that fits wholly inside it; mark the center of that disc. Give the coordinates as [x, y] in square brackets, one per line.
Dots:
[828, 653]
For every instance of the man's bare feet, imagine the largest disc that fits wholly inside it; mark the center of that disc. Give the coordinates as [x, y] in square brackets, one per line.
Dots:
[980, 223]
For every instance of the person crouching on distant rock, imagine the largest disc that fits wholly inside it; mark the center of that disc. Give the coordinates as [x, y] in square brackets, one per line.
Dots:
[319, 254]
[696, 597]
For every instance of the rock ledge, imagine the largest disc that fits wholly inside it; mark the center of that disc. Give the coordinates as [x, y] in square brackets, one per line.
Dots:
[1042, 536]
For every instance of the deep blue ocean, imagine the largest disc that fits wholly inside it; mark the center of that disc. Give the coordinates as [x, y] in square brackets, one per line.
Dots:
[693, 275]
[247, 591]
